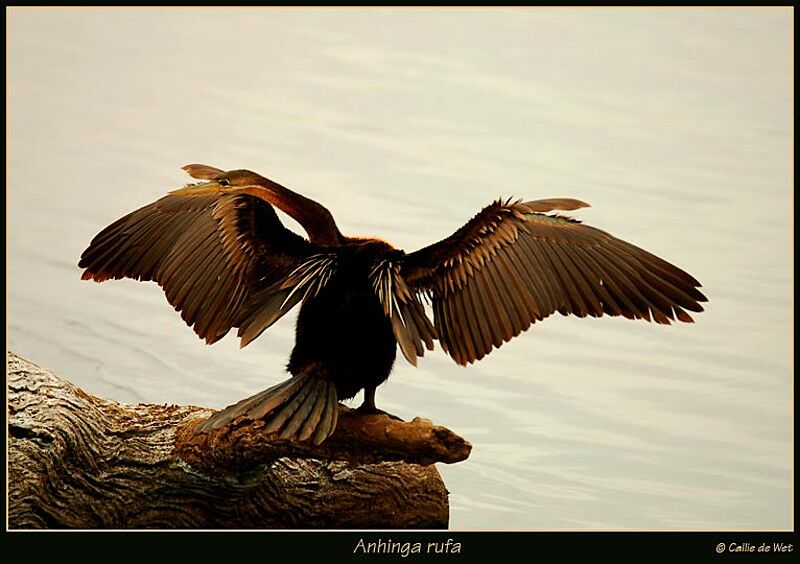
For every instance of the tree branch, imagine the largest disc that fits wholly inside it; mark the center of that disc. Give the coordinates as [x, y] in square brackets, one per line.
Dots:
[76, 460]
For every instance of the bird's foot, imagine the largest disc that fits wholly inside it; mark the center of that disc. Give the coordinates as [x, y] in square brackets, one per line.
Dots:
[366, 409]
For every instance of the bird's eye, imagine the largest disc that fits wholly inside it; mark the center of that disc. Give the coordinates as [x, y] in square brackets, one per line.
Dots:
[223, 182]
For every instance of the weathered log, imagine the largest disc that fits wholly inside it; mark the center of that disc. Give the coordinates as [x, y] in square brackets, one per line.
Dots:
[79, 461]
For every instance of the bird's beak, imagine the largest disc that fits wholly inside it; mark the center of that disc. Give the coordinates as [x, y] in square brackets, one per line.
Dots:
[202, 172]
[212, 187]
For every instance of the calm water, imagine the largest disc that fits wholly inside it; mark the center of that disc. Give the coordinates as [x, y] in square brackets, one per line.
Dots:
[674, 125]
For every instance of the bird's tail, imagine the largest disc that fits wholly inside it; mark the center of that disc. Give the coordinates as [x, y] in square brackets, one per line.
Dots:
[301, 408]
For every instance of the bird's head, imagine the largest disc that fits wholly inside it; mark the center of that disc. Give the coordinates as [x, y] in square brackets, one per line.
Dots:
[315, 218]
[234, 178]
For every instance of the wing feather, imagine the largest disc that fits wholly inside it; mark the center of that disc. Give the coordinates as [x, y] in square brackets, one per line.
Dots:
[412, 329]
[464, 316]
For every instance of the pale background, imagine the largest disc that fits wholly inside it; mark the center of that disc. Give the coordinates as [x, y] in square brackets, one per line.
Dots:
[675, 124]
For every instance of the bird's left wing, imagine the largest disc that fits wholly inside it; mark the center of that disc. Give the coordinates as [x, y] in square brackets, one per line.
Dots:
[220, 253]
[513, 264]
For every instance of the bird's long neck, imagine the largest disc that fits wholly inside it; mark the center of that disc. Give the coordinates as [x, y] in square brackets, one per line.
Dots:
[313, 216]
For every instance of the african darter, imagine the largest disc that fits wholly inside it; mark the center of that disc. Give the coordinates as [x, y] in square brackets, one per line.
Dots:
[225, 260]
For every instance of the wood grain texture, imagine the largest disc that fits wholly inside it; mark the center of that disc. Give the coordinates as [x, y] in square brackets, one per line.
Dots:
[78, 461]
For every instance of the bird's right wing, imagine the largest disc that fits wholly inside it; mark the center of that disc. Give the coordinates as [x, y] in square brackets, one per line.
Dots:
[221, 255]
[513, 264]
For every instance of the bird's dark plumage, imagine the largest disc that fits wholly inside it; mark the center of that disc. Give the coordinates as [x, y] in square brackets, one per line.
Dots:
[225, 261]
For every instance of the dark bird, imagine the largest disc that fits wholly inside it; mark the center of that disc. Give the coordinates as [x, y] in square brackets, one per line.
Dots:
[225, 260]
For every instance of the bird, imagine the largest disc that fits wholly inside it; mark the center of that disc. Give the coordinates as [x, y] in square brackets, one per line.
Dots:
[225, 261]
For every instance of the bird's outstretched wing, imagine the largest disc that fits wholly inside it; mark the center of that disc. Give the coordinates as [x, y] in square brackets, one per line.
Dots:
[513, 265]
[220, 253]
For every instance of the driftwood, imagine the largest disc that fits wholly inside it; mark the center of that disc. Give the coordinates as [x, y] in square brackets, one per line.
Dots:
[78, 461]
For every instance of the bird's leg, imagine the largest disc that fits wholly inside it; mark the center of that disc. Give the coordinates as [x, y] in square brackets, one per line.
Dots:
[368, 405]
